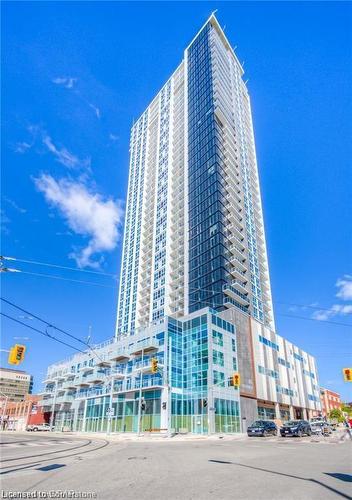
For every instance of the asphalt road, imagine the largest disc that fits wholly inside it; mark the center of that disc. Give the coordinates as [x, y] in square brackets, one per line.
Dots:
[254, 468]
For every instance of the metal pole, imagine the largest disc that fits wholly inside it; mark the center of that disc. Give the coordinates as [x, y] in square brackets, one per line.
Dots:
[140, 396]
[110, 408]
[53, 407]
[169, 398]
[210, 412]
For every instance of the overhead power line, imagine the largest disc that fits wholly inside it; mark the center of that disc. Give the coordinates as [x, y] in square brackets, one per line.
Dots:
[52, 326]
[212, 304]
[83, 282]
[47, 264]
[42, 333]
[275, 301]
[315, 319]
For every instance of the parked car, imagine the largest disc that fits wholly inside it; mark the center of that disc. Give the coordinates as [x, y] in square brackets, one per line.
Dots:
[38, 427]
[296, 428]
[262, 428]
[321, 427]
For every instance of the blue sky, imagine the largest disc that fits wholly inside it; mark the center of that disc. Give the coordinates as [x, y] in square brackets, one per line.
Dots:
[74, 77]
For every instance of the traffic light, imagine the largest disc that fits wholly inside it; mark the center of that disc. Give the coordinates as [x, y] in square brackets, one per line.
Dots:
[154, 365]
[143, 405]
[347, 374]
[204, 403]
[163, 405]
[16, 355]
[235, 380]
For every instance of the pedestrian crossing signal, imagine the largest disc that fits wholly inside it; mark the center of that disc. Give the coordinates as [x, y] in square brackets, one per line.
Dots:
[16, 355]
[235, 380]
[154, 365]
[347, 374]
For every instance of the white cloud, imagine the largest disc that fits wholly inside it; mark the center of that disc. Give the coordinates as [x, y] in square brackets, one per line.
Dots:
[335, 310]
[14, 205]
[64, 156]
[4, 221]
[345, 287]
[67, 82]
[86, 213]
[96, 110]
[22, 147]
[113, 137]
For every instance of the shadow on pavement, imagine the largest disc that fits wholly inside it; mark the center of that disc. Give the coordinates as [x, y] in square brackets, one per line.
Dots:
[315, 481]
[338, 475]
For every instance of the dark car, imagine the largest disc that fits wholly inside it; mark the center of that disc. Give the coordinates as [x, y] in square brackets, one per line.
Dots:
[296, 428]
[262, 428]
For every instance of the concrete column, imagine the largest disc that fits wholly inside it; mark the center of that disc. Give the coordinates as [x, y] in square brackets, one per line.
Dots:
[292, 413]
[305, 413]
[103, 416]
[84, 416]
[277, 411]
[75, 415]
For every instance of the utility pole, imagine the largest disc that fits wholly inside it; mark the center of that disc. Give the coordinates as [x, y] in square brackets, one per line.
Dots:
[110, 407]
[53, 407]
[140, 396]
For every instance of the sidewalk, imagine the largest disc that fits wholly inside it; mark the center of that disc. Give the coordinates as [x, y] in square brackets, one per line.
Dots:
[129, 436]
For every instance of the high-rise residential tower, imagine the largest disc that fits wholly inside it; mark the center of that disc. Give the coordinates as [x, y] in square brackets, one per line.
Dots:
[194, 233]
[195, 312]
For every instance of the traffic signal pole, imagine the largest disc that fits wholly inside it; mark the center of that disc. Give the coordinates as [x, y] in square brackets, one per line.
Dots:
[169, 397]
[140, 396]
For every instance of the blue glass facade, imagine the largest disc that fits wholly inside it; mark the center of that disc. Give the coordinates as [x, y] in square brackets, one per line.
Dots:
[206, 184]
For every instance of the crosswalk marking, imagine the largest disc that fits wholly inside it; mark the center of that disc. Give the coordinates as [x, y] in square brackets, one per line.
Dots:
[29, 444]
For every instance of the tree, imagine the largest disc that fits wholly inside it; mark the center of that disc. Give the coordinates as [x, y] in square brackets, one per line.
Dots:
[336, 413]
[347, 409]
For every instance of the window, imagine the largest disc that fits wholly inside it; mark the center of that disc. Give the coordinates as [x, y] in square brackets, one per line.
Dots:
[218, 338]
[218, 358]
[218, 378]
[268, 343]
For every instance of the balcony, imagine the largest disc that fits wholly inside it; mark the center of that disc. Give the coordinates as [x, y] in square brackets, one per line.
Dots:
[67, 398]
[85, 369]
[240, 285]
[47, 401]
[82, 381]
[46, 392]
[240, 297]
[103, 363]
[97, 377]
[151, 345]
[119, 355]
[229, 302]
[70, 384]
[237, 273]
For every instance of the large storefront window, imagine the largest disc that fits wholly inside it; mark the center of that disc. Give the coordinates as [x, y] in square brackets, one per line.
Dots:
[227, 416]
[265, 413]
[125, 418]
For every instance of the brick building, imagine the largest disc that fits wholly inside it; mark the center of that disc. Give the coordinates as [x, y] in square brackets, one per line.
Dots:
[19, 414]
[330, 400]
